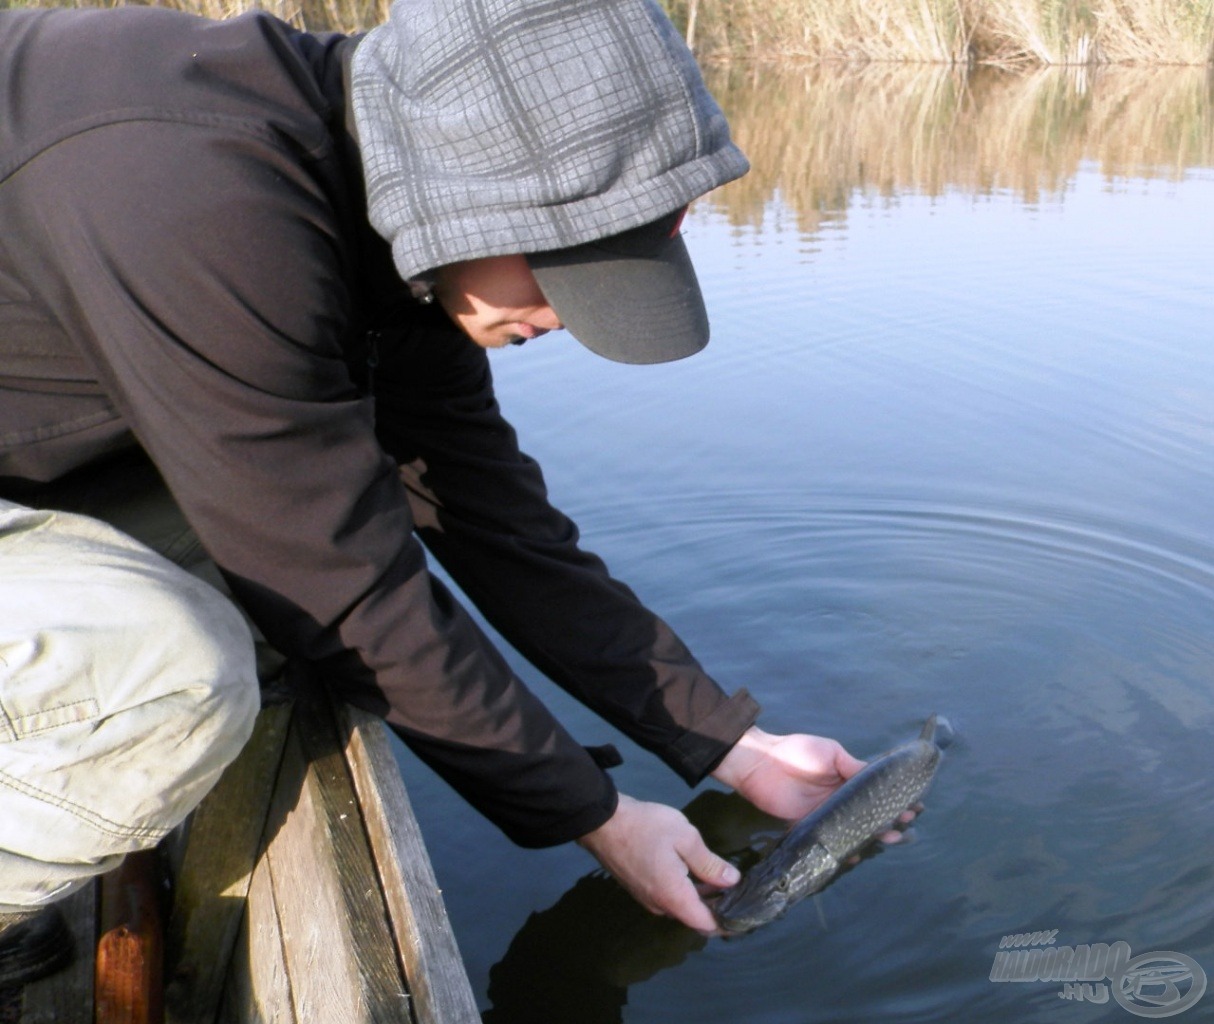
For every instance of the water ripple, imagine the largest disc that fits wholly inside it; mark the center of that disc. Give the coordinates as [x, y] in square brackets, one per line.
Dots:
[798, 531]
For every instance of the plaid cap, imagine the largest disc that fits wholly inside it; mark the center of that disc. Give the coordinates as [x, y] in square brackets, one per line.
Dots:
[495, 127]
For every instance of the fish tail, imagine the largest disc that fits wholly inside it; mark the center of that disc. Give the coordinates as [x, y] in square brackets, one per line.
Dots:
[937, 730]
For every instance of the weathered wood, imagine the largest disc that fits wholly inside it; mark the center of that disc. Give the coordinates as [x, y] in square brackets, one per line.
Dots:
[339, 952]
[438, 981]
[129, 986]
[303, 895]
[258, 990]
[67, 997]
[215, 873]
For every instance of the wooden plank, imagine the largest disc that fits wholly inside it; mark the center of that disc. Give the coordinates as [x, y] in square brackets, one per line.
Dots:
[214, 877]
[258, 990]
[438, 981]
[67, 997]
[339, 951]
[129, 986]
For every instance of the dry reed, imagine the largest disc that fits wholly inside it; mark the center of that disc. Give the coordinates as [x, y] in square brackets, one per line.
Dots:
[1001, 32]
[313, 15]
[952, 31]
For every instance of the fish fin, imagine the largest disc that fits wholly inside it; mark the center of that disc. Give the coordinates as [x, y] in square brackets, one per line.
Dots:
[942, 732]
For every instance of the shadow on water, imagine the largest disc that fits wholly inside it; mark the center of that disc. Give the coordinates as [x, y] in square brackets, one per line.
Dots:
[576, 960]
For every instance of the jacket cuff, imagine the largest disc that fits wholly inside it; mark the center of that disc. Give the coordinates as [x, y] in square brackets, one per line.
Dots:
[567, 829]
[700, 749]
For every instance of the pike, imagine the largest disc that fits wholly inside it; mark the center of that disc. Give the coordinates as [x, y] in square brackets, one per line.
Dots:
[815, 848]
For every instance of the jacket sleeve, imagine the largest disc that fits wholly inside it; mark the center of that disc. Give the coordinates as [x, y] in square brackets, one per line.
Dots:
[202, 280]
[482, 508]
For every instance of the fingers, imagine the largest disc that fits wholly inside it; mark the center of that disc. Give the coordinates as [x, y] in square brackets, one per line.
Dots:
[706, 865]
[847, 765]
[898, 834]
[786, 775]
[657, 855]
[683, 903]
[680, 898]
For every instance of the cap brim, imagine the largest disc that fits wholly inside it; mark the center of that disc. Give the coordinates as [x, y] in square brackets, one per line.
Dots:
[625, 304]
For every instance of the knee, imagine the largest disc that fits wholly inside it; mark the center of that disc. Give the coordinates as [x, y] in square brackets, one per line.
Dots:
[120, 721]
[128, 686]
[93, 623]
[207, 649]
[185, 704]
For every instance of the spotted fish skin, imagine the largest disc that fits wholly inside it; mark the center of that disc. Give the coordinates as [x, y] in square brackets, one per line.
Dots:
[812, 852]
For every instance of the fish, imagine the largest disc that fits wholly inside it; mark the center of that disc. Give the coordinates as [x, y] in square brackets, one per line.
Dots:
[815, 849]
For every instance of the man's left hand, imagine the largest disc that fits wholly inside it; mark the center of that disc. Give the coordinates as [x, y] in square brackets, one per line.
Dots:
[789, 776]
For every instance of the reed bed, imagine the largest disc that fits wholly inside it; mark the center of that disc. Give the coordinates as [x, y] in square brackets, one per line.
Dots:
[999, 32]
[822, 138]
[312, 15]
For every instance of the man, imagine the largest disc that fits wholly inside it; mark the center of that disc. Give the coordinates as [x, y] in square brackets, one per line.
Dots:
[271, 263]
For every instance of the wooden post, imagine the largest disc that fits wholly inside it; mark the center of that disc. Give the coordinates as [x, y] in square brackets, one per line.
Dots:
[130, 951]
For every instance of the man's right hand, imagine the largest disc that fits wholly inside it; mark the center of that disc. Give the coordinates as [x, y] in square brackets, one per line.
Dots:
[654, 852]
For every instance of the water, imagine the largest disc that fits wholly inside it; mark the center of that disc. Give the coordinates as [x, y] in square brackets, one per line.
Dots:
[952, 450]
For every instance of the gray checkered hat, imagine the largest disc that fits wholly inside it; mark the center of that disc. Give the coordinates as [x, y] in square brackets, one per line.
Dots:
[568, 128]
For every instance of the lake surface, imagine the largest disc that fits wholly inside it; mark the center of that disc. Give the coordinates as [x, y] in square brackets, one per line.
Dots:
[951, 450]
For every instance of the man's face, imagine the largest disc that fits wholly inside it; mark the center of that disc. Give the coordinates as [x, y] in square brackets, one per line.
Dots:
[495, 301]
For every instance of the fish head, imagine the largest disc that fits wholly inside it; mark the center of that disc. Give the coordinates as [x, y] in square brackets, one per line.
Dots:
[746, 907]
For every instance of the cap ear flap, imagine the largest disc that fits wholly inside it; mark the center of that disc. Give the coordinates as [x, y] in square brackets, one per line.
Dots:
[421, 288]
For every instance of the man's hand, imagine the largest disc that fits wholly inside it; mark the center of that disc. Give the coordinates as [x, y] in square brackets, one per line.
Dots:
[789, 776]
[655, 852]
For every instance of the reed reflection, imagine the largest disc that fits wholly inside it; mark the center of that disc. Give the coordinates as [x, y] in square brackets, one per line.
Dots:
[821, 137]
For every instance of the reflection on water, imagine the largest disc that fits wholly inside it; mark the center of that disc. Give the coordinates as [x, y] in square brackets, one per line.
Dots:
[951, 449]
[576, 960]
[819, 136]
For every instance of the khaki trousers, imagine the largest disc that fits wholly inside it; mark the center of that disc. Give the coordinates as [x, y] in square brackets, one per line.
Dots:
[126, 687]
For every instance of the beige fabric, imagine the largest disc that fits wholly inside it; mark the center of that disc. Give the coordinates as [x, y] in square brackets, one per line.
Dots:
[126, 686]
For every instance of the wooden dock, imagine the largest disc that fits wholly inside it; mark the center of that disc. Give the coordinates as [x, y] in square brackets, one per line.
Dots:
[301, 893]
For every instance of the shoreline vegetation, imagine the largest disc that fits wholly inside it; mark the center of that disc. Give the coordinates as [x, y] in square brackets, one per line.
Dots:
[1003, 33]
